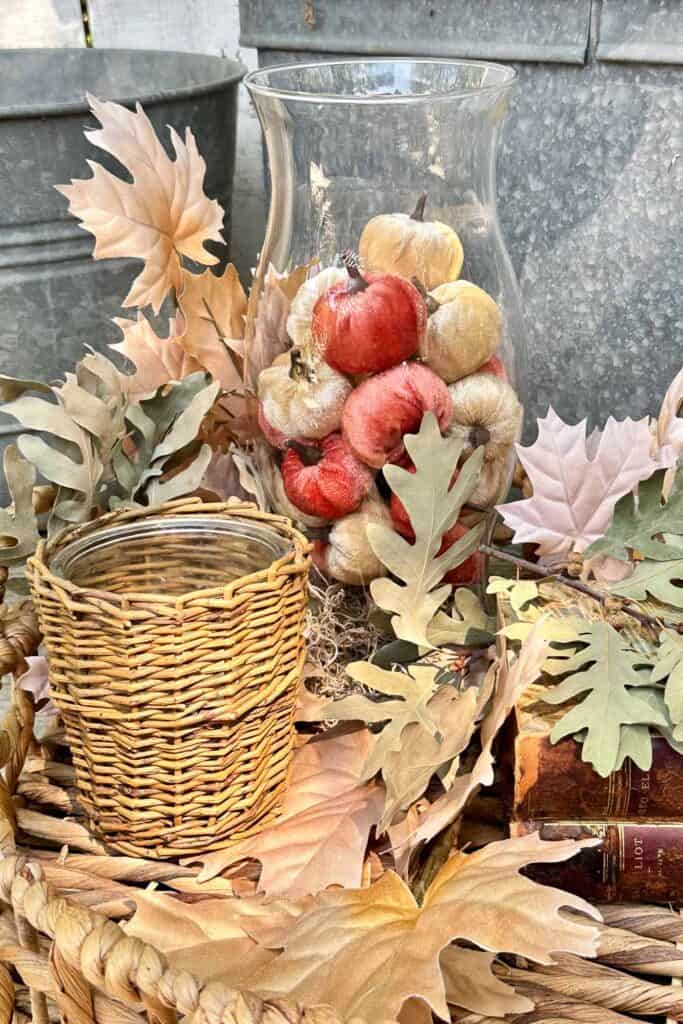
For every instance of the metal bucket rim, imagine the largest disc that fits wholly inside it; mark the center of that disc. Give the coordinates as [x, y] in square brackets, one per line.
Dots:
[235, 71]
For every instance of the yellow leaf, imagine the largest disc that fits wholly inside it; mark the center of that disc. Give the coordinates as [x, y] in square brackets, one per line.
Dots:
[157, 360]
[366, 952]
[321, 836]
[160, 216]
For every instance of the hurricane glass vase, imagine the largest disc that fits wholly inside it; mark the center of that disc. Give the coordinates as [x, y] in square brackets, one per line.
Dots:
[388, 167]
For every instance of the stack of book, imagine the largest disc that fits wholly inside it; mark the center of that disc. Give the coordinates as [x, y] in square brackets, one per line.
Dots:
[637, 815]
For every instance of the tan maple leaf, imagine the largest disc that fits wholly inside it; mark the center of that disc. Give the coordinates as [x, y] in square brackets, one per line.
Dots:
[321, 836]
[161, 215]
[157, 360]
[366, 952]
[577, 481]
[266, 322]
[213, 310]
[207, 936]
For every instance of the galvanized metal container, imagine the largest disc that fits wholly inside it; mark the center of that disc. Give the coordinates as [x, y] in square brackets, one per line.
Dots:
[54, 299]
[590, 187]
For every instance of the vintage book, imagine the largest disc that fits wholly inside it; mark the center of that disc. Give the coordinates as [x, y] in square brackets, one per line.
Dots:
[546, 781]
[550, 781]
[633, 862]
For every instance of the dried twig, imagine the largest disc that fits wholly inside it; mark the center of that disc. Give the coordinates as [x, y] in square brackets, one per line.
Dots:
[568, 581]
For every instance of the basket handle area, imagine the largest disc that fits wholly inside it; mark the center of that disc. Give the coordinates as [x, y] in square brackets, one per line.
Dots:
[95, 972]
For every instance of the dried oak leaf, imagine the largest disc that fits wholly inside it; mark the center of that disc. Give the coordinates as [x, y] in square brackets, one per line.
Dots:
[212, 312]
[162, 214]
[322, 834]
[157, 360]
[661, 580]
[18, 524]
[433, 506]
[407, 771]
[511, 682]
[468, 624]
[409, 693]
[576, 482]
[366, 952]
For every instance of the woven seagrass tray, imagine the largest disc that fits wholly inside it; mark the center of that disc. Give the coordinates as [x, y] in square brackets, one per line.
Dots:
[64, 899]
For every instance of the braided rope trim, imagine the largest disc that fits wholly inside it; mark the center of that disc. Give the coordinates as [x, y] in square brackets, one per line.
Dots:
[132, 971]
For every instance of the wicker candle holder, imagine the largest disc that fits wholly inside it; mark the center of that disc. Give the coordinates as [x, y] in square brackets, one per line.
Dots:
[175, 637]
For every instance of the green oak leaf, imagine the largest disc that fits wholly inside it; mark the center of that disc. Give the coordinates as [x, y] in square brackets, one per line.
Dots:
[669, 667]
[660, 580]
[607, 675]
[638, 519]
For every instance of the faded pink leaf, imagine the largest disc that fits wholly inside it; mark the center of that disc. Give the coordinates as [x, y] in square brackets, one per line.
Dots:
[576, 484]
[35, 679]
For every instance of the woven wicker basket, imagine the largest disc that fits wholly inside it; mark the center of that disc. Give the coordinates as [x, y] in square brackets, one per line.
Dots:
[176, 677]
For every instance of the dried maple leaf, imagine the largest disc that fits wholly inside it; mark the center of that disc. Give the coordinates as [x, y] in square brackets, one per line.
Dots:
[577, 482]
[321, 836]
[266, 323]
[366, 952]
[433, 506]
[157, 360]
[213, 310]
[161, 215]
[471, 984]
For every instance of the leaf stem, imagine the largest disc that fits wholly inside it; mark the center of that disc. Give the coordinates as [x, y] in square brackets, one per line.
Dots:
[597, 595]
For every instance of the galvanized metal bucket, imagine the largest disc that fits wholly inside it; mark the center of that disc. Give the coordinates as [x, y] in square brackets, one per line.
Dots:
[54, 299]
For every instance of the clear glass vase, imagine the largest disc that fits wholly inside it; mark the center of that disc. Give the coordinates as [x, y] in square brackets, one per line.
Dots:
[351, 141]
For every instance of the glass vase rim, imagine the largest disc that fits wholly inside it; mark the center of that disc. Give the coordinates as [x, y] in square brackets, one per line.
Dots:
[252, 80]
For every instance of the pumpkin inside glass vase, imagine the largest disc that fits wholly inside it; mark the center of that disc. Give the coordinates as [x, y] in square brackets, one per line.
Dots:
[382, 182]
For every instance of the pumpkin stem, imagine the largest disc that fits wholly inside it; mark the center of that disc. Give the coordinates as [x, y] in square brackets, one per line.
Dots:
[429, 300]
[357, 282]
[299, 368]
[308, 453]
[419, 211]
[479, 435]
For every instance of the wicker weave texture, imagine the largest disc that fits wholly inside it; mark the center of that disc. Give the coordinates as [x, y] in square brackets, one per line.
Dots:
[176, 677]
